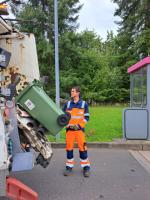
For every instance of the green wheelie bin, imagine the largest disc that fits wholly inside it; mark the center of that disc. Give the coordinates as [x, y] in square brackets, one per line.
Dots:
[40, 106]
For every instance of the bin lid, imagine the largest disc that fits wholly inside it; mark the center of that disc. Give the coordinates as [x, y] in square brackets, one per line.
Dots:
[139, 65]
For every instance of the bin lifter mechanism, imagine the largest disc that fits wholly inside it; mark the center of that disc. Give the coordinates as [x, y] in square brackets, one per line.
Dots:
[32, 136]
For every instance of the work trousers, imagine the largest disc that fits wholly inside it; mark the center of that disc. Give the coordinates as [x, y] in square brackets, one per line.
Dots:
[79, 137]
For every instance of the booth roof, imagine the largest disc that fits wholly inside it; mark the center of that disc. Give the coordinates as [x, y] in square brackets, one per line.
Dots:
[139, 65]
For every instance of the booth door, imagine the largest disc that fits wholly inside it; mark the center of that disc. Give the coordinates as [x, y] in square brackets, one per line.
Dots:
[135, 123]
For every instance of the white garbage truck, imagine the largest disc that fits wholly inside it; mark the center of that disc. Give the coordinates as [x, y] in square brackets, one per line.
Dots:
[27, 114]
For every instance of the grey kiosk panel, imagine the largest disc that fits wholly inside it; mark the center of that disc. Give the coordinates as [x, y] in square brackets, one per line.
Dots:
[136, 123]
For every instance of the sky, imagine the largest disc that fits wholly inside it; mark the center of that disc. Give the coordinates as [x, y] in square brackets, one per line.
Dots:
[97, 15]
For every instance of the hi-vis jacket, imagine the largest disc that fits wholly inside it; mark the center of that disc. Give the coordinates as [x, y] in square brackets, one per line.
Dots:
[79, 113]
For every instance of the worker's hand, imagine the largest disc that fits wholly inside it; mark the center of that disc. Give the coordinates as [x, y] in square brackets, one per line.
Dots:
[73, 127]
[76, 127]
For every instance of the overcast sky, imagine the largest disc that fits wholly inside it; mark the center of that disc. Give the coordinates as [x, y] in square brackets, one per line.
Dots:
[97, 15]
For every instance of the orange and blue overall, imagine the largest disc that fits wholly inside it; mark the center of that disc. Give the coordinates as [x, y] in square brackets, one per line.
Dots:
[79, 116]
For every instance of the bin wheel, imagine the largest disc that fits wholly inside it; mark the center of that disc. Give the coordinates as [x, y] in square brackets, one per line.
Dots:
[68, 115]
[63, 120]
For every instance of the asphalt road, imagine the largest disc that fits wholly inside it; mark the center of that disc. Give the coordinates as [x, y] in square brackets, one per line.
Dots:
[115, 175]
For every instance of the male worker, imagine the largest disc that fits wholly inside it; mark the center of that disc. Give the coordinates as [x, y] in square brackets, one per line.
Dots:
[79, 112]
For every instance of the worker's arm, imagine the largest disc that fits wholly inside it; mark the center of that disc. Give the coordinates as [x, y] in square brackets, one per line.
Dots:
[64, 107]
[86, 112]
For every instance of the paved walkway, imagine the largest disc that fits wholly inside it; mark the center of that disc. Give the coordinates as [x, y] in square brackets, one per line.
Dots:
[115, 175]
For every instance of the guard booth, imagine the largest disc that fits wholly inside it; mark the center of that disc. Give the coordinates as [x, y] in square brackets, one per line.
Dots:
[136, 120]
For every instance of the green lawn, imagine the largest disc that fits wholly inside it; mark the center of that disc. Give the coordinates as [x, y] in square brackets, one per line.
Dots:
[105, 124]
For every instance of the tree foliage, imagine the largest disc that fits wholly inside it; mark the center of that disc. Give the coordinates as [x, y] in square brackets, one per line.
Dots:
[99, 67]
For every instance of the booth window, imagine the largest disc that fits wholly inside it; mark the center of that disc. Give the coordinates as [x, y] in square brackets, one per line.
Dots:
[139, 88]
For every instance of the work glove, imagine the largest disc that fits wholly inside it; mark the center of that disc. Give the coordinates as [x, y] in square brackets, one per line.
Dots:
[73, 127]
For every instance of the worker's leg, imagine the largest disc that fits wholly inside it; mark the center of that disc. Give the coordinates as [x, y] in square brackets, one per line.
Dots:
[84, 161]
[70, 139]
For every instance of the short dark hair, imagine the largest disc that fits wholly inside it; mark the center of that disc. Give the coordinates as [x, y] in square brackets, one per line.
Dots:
[77, 88]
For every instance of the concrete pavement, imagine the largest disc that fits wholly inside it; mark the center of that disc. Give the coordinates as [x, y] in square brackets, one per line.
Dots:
[115, 175]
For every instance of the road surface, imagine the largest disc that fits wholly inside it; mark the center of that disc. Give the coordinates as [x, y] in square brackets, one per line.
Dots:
[115, 175]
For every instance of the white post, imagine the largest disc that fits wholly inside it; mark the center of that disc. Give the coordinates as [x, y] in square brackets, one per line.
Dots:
[56, 53]
[56, 58]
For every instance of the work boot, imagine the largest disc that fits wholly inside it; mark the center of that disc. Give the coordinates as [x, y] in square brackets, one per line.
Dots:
[68, 171]
[86, 172]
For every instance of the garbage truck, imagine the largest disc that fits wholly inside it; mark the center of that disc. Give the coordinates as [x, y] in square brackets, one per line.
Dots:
[27, 113]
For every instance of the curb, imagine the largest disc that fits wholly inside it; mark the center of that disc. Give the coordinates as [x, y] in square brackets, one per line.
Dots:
[132, 145]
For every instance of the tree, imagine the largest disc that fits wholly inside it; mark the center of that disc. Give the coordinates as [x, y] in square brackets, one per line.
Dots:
[40, 14]
[133, 37]
[100, 68]
[135, 24]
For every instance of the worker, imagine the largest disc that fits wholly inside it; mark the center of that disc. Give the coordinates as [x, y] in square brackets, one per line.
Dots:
[79, 112]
